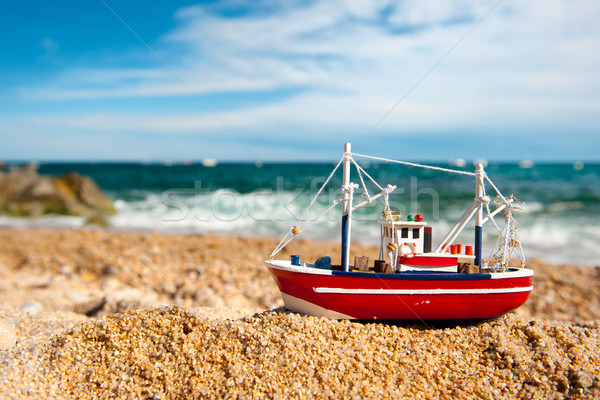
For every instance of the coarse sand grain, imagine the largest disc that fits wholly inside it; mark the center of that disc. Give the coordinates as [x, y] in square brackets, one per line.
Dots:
[172, 353]
[100, 314]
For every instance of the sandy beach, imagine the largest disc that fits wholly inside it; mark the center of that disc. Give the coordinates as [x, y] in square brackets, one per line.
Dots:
[101, 314]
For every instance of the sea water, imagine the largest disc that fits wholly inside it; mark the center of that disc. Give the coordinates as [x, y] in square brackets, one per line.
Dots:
[559, 222]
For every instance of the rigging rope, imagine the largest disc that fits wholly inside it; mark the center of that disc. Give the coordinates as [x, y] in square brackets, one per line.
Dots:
[362, 181]
[359, 168]
[285, 239]
[505, 234]
[320, 190]
[452, 171]
[497, 190]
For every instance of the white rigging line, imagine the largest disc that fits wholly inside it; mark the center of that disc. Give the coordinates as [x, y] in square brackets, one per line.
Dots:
[497, 190]
[294, 231]
[286, 239]
[490, 217]
[179, 78]
[452, 171]
[290, 235]
[360, 169]
[362, 180]
[408, 92]
[320, 190]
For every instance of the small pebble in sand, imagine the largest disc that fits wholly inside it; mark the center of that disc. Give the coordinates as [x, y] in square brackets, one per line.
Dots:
[8, 337]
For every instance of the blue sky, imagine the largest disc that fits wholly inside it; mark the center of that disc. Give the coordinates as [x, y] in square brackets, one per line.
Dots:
[293, 80]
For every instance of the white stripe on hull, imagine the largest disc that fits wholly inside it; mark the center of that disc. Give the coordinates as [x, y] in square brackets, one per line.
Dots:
[423, 291]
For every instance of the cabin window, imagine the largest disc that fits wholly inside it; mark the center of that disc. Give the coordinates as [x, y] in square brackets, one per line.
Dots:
[404, 233]
[415, 233]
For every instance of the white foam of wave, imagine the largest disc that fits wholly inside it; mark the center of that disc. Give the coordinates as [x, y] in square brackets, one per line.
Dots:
[562, 241]
[44, 221]
[267, 213]
[565, 206]
[219, 212]
[532, 207]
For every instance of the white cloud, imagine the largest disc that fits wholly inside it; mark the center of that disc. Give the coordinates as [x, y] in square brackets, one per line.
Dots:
[528, 64]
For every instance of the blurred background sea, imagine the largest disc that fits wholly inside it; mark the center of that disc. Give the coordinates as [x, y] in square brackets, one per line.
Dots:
[560, 221]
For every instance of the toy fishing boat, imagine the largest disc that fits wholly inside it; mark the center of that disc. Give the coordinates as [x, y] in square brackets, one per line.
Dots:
[411, 279]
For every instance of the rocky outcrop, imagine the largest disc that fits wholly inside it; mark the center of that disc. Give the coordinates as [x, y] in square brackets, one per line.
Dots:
[23, 192]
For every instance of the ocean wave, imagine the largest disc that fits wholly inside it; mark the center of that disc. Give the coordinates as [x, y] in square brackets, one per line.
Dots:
[45, 221]
[532, 207]
[544, 234]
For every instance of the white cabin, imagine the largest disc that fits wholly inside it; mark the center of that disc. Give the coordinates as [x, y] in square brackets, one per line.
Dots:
[410, 232]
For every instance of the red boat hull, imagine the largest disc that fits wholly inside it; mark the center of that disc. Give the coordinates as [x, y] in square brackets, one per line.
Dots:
[405, 295]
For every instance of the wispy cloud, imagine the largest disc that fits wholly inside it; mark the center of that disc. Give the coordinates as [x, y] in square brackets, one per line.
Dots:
[528, 64]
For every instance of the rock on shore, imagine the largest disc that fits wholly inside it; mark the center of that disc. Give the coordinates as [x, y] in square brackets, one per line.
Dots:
[23, 192]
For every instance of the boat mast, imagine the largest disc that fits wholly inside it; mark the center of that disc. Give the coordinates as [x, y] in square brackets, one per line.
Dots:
[346, 208]
[479, 193]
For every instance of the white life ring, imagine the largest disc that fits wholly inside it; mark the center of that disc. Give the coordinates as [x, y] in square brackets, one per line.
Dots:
[407, 249]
